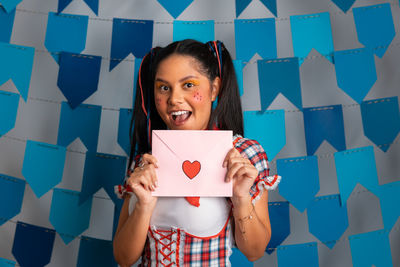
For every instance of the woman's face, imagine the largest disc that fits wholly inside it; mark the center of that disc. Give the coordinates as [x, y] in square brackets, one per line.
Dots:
[183, 95]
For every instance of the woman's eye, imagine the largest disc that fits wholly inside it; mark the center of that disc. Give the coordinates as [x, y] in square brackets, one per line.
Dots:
[163, 88]
[188, 85]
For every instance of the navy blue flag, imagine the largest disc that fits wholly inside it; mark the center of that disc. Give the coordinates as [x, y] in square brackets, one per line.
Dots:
[344, 5]
[95, 252]
[11, 196]
[78, 76]
[33, 245]
[130, 36]
[280, 224]
[93, 4]
[271, 5]
[279, 76]
[176, 7]
[241, 5]
[9, 103]
[324, 123]
[6, 25]
[125, 117]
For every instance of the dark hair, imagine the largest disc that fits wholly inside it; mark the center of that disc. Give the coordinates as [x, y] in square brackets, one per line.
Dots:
[226, 116]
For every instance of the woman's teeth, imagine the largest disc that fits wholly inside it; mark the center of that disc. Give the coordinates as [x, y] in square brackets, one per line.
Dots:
[180, 115]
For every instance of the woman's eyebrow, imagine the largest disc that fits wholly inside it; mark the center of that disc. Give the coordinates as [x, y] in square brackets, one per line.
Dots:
[160, 80]
[188, 77]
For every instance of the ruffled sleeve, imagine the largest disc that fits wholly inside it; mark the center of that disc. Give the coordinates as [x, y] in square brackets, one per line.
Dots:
[257, 156]
[123, 189]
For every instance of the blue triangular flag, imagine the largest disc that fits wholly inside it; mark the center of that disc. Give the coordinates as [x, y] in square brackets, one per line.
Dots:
[280, 224]
[268, 128]
[6, 263]
[375, 28]
[78, 76]
[202, 31]
[68, 217]
[255, 36]
[95, 252]
[324, 123]
[11, 196]
[8, 111]
[327, 219]
[6, 25]
[43, 166]
[355, 166]
[93, 4]
[355, 72]
[138, 62]
[102, 171]
[62, 4]
[238, 65]
[237, 259]
[16, 64]
[33, 245]
[125, 117]
[241, 5]
[344, 5]
[298, 255]
[372, 248]
[82, 122]
[130, 36]
[279, 76]
[381, 121]
[10, 5]
[312, 31]
[271, 5]
[176, 7]
[301, 181]
[65, 32]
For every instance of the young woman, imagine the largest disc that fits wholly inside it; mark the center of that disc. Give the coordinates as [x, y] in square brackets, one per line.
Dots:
[177, 86]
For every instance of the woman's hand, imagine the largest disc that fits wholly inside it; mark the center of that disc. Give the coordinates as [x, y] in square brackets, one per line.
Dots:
[143, 181]
[242, 173]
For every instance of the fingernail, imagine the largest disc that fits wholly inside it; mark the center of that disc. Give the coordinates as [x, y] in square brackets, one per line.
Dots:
[224, 164]
[156, 183]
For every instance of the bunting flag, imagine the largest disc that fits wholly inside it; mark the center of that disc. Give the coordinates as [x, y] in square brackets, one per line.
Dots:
[82, 122]
[125, 117]
[324, 123]
[237, 259]
[271, 5]
[381, 121]
[33, 245]
[43, 166]
[279, 76]
[238, 65]
[16, 64]
[327, 219]
[268, 128]
[10, 5]
[11, 195]
[344, 5]
[176, 7]
[241, 5]
[95, 252]
[355, 72]
[301, 181]
[375, 28]
[78, 77]
[280, 224]
[298, 255]
[66, 215]
[102, 171]
[312, 31]
[6, 25]
[65, 32]
[138, 62]
[6, 263]
[8, 111]
[202, 30]
[372, 248]
[255, 36]
[130, 36]
[355, 166]
[93, 4]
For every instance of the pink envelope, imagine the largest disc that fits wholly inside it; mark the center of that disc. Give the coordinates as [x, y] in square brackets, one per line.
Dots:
[190, 162]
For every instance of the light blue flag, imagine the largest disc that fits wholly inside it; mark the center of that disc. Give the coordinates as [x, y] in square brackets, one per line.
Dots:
[6, 263]
[65, 32]
[255, 36]
[68, 217]
[238, 65]
[6, 25]
[375, 28]
[280, 224]
[10, 5]
[138, 62]
[298, 255]
[176, 7]
[279, 76]
[43, 166]
[268, 128]
[372, 248]
[327, 219]
[237, 259]
[355, 72]
[271, 5]
[82, 122]
[324, 123]
[16, 64]
[95, 252]
[381, 121]
[11, 196]
[312, 31]
[201, 30]
[355, 166]
[301, 180]
[344, 5]
[125, 117]
[241, 5]
[8, 111]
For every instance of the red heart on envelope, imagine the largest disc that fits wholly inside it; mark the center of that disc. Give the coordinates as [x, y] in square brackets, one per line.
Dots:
[191, 169]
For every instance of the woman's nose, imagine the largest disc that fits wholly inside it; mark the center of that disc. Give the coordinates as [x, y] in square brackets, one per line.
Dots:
[175, 97]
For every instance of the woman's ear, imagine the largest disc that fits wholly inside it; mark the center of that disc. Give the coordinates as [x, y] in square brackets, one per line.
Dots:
[216, 85]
